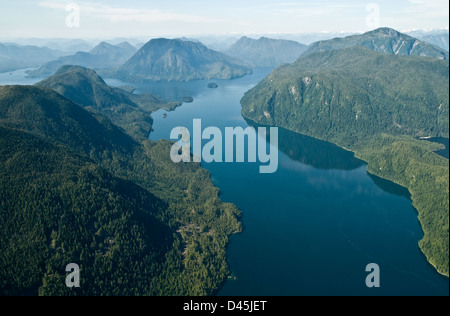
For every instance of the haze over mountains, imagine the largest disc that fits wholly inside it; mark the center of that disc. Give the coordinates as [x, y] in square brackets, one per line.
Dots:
[77, 188]
[188, 59]
[103, 56]
[179, 60]
[266, 52]
[81, 182]
[384, 40]
[127, 110]
[439, 38]
[13, 56]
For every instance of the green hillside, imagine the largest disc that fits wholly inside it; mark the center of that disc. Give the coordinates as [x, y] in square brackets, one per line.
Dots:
[377, 105]
[86, 88]
[76, 188]
[58, 207]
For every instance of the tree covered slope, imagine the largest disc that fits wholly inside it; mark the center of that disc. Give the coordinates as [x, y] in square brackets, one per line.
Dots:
[75, 188]
[127, 110]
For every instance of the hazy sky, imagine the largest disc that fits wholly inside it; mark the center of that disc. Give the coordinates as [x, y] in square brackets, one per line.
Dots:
[134, 18]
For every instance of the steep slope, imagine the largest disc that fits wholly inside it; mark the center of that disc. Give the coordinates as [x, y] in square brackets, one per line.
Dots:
[103, 56]
[47, 114]
[86, 88]
[178, 60]
[57, 208]
[383, 40]
[79, 189]
[355, 89]
[266, 52]
[376, 105]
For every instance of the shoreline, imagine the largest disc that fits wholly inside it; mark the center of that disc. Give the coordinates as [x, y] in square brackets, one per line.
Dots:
[356, 155]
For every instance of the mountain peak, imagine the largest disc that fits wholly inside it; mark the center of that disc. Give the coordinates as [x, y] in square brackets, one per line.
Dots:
[386, 31]
[101, 48]
[384, 40]
[266, 52]
[179, 60]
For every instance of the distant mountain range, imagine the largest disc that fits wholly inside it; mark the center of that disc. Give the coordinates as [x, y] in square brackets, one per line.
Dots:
[13, 56]
[179, 60]
[103, 56]
[438, 37]
[440, 40]
[266, 52]
[384, 40]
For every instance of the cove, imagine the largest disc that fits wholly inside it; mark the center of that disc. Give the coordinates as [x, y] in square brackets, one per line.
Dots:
[312, 227]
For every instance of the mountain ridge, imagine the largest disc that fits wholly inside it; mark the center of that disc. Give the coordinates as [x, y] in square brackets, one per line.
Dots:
[384, 40]
[266, 52]
[95, 196]
[127, 110]
[179, 60]
[103, 56]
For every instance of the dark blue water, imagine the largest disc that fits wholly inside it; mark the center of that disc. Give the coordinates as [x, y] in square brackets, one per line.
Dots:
[312, 227]
[443, 141]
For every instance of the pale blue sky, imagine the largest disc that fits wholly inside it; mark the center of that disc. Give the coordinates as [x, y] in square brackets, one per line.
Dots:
[134, 18]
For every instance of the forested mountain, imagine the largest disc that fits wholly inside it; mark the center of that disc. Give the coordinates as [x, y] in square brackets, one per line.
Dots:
[376, 105]
[179, 60]
[384, 40]
[103, 56]
[57, 207]
[266, 52]
[86, 88]
[77, 189]
[13, 57]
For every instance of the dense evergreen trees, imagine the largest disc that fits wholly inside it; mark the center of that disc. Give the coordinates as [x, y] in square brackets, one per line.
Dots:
[74, 188]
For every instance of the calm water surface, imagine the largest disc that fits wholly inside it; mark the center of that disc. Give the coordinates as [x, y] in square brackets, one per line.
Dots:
[312, 227]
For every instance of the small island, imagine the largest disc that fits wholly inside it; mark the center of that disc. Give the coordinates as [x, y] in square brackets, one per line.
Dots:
[188, 99]
[213, 85]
